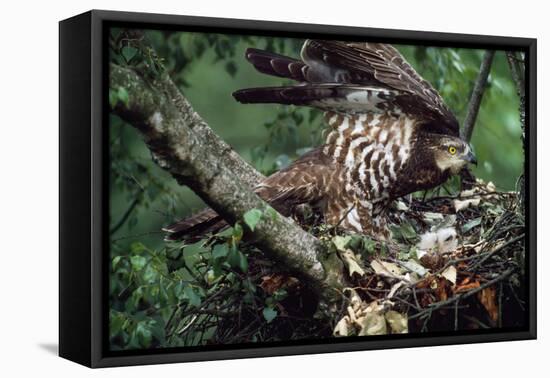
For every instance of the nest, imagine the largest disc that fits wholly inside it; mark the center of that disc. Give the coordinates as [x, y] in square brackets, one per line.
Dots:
[457, 263]
[454, 263]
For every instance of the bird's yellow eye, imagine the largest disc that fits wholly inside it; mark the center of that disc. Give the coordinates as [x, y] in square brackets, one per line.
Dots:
[452, 150]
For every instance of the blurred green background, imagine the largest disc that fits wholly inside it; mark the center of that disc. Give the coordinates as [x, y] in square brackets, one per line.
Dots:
[208, 68]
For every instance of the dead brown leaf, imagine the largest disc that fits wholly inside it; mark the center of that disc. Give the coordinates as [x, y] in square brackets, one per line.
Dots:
[487, 297]
[441, 289]
[466, 287]
[425, 283]
[426, 300]
[274, 282]
[466, 284]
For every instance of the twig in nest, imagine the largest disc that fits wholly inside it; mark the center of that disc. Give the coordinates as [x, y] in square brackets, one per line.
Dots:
[461, 296]
[335, 229]
[189, 324]
[497, 249]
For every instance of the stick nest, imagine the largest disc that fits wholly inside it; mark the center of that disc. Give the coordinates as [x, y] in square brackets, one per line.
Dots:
[454, 263]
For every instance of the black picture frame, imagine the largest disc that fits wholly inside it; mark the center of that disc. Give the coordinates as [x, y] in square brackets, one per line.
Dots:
[83, 251]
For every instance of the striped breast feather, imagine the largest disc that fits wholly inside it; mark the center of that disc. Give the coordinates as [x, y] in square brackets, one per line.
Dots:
[330, 97]
[372, 148]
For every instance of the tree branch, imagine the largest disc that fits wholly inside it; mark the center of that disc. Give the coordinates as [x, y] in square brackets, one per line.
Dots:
[518, 72]
[125, 216]
[477, 95]
[517, 69]
[184, 145]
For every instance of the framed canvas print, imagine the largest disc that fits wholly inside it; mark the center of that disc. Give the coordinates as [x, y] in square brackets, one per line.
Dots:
[235, 188]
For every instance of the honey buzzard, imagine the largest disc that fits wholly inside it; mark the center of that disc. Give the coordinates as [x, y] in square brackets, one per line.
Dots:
[390, 134]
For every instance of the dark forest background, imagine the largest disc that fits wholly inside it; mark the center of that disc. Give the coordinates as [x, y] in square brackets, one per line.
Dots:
[148, 278]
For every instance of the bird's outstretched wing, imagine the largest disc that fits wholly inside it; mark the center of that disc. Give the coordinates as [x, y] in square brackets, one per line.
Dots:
[351, 77]
[299, 183]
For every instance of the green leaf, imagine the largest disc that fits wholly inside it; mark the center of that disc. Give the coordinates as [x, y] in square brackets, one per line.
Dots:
[137, 247]
[269, 314]
[471, 224]
[194, 299]
[128, 52]
[116, 322]
[158, 332]
[138, 262]
[233, 258]
[123, 95]
[404, 232]
[144, 334]
[115, 261]
[384, 250]
[415, 267]
[341, 242]
[113, 98]
[237, 233]
[271, 213]
[220, 250]
[279, 295]
[237, 259]
[150, 274]
[413, 253]
[243, 262]
[252, 217]
[408, 231]
[179, 290]
[369, 245]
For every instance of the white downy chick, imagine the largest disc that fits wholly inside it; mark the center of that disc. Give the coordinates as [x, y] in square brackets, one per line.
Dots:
[447, 239]
[440, 241]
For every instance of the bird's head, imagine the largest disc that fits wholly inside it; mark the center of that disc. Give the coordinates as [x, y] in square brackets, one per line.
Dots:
[452, 153]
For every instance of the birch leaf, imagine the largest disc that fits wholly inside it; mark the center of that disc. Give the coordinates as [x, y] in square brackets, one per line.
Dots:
[401, 206]
[450, 274]
[384, 267]
[341, 328]
[340, 242]
[373, 324]
[464, 204]
[252, 217]
[394, 289]
[269, 314]
[398, 322]
[471, 224]
[350, 260]
[432, 218]
[415, 267]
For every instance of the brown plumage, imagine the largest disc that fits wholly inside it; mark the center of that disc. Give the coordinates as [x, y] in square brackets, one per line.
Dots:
[391, 134]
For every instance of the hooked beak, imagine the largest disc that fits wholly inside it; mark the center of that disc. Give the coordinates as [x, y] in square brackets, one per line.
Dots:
[471, 157]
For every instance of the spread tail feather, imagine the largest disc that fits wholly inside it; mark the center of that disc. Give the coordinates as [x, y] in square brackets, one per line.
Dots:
[330, 96]
[291, 95]
[277, 65]
[193, 228]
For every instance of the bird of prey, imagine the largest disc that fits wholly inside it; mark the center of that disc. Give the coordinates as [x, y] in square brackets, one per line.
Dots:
[390, 134]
